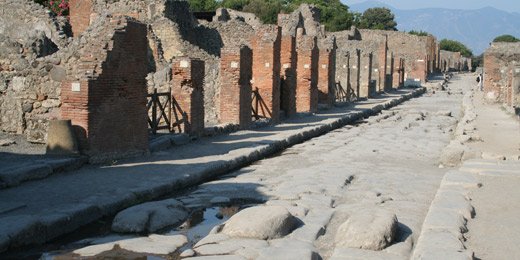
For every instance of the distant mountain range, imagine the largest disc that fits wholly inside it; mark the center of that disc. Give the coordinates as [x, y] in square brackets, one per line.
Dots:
[475, 28]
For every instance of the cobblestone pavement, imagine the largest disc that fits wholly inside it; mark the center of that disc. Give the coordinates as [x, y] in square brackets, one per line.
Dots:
[387, 163]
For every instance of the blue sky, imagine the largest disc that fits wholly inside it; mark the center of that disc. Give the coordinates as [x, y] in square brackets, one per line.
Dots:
[506, 5]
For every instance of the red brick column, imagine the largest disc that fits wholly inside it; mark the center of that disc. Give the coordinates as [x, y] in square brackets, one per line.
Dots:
[106, 99]
[307, 71]
[288, 75]
[79, 11]
[266, 45]
[326, 75]
[419, 70]
[398, 78]
[355, 71]
[365, 75]
[187, 90]
[235, 91]
[383, 52]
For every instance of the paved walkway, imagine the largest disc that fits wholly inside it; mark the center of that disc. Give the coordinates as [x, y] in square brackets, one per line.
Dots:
[494, 233]
[38, 211]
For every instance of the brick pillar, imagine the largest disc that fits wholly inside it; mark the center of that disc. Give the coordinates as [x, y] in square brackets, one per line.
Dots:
[398, 78]
[288, 75]
[307, 71]
[235, 91]
[390, 72]
[383, 62]
[342, 65]
[80, 11]
[187, 90]
[355, 71]
[365, 75]
[266, 46]
[106, 97]
[327, 72]
[419, 70]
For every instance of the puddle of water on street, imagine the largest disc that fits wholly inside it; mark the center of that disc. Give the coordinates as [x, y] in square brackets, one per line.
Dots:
[196, 227]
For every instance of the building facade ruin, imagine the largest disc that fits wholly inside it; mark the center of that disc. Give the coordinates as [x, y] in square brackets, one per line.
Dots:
[231, 70]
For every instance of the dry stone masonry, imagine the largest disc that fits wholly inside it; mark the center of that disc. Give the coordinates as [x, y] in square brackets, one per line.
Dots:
[502, 74]
[229, 70]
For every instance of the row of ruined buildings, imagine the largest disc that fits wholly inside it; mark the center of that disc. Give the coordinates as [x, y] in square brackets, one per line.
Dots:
[117, 68]
[502, 74]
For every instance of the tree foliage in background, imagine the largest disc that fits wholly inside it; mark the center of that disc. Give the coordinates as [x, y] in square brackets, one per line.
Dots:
[455, 46]
[418, 33]
[379, 18]
[334, 15]
[506, 38]
[203, 5]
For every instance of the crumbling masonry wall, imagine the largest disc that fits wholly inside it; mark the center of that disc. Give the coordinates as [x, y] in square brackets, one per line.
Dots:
[501, 68]
[104, 94]
[31, 67]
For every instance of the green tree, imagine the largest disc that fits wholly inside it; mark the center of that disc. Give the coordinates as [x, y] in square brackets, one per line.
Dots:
[418, 33]
[334, 14]
[506, 38]
[234, 4]
[202, 5]
[266, 10]
[379, 18]
[455, 46]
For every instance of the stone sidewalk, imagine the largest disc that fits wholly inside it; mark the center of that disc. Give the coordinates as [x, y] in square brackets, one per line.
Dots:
[38, 211]
[475, 211]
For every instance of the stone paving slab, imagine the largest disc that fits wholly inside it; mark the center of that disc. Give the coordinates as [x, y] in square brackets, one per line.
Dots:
[62, 203]
[39, 169]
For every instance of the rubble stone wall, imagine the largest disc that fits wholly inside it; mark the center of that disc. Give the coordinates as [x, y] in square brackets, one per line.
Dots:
[500, 72]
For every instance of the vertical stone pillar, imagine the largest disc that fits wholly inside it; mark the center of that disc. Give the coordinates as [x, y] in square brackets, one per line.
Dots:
[342, 65]
[187, 90]
[266, 46]
[307, 71]
[326, 71]
[106, 97]
[235, 92]
[355, 71]
[390, 72]
[288, 75]
[383, 61]
[80, 11]
[515, 89]
[419, 70]
[366, 75]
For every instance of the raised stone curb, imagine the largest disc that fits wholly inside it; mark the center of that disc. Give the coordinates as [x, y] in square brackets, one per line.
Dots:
[15, 176]
[34, 230]
[442, 233]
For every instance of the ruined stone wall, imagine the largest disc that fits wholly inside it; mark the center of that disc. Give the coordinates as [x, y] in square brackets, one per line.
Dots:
[104, 93]
[30, 67]
[413, 49]
[306, 17]
[501, 62]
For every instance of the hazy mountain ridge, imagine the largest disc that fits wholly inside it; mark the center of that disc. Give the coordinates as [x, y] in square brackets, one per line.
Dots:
[475, 28]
